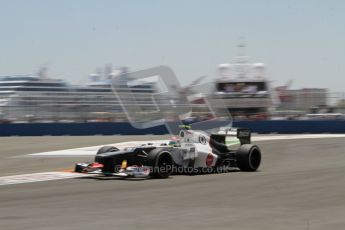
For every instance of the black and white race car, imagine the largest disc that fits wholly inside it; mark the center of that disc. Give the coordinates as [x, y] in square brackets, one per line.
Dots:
[191, 152]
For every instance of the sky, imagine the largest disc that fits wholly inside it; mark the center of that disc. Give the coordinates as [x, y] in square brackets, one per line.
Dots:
[299, 40]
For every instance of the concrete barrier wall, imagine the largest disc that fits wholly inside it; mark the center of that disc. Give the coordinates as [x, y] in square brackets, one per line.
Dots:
[124, 128]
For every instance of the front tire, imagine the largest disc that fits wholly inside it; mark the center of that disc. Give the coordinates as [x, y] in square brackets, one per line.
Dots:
[248, 158]
[161, 162]
[106, 149]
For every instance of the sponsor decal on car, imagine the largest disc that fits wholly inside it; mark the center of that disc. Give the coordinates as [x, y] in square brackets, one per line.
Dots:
[209, 160]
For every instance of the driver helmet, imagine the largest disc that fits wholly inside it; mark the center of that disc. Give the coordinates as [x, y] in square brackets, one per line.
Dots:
[174, 141]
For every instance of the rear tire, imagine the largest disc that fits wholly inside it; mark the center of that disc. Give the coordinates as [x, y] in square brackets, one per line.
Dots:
[161, 162]
[248, 158]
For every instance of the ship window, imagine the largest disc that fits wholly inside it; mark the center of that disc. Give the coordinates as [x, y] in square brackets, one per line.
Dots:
[241, 87]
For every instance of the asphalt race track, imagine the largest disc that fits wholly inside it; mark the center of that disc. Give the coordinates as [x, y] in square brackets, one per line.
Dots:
[300, 185]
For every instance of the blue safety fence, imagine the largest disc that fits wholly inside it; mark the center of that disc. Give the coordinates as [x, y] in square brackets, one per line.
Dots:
[76, 129]
[294, 126]
[124, 128]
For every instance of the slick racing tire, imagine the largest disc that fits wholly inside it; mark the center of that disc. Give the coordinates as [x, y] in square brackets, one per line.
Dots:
[106, 149]
[248, 158]
[161, 162]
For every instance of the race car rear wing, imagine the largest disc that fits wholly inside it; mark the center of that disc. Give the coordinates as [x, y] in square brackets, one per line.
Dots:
[243, 134]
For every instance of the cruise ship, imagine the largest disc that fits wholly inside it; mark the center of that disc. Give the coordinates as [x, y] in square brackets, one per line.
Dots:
[36, 98]
[244, 89]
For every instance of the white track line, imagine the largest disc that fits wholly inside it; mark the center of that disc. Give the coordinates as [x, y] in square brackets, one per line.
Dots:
[91, 151]
[294, 136]
[37, 177]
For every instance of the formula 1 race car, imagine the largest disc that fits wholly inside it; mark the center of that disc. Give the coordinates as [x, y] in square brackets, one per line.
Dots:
[191, 152]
